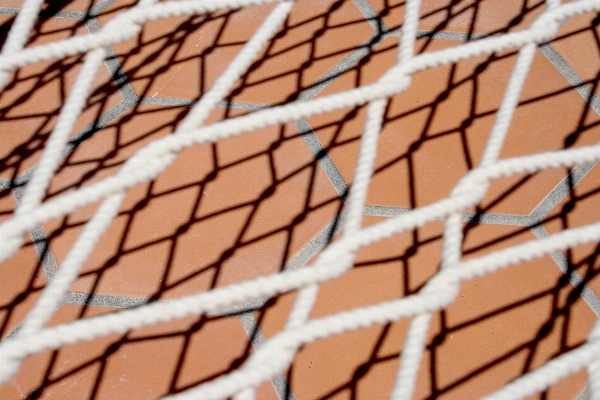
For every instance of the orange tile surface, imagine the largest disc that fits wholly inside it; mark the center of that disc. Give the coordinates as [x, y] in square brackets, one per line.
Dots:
[470, 16]
[577, 42]
[167, 58]
[436, 130]
[169, 239]
[31, 102]
[166, 358]
[266, 201]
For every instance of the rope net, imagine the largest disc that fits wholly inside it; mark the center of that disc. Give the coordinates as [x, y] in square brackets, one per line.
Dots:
[277, 354]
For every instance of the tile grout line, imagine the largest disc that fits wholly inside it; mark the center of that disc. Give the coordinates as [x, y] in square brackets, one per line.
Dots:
[177, 102]
[341, 186]
[94, 11]
[303, 127]
[246, 318]
[578, 173]
[80, 137]
[38, 236]
[380, 28]
[11, 333]
[257, 338]
[280, 383]
[341, 67]
[585, 291]
[40, 242]
[564, 188]
[102, 300]
[588, 295]
[590, 97]
[115, 69]
[560, 191]
[582, 394]
[318, 151]
[315, 146]
[299, 260]
[571, 76]
[468, 217]
[100, 6]
[47, 14]
[372, 17]
[443, 35]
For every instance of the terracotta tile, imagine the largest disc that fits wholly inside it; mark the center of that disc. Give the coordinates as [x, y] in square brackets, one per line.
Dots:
[182, 57]
[146, 363]
[21, 277]
[577, 42]
[266, 391]
[436, 131]
[471, 16]
[507, 323]
[61, 5]
[206, 220]
[30, 104]
[384, 271]
[38, 368]
[239, 209]
[576, 210]
[359, 364]
[472, 357]
[501, 325]
[362, 363]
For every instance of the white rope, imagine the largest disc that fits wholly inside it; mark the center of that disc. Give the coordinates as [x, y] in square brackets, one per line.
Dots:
[593, 376]
[558, 368]
[18, 34]
[278, 353]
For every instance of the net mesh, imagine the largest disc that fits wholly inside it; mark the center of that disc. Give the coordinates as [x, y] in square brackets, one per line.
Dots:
[277, 354]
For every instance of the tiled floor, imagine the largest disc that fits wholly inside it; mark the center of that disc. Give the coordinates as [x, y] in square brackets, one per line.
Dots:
[253, 205]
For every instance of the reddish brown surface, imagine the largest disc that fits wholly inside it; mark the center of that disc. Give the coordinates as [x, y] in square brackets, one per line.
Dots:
[470, 16]
[31, 102]
[134, 365]
[170, 238]
[577, 42]
[434, 132]
[243, 207]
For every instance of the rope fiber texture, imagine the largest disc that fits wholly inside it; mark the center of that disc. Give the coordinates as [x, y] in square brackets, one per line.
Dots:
[278, 353]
